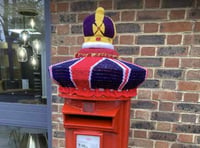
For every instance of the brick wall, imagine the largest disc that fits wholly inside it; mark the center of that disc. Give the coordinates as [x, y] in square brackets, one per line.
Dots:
[161, 35]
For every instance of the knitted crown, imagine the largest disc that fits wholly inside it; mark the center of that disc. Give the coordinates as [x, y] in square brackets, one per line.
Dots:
[99, 28]
[96, 71]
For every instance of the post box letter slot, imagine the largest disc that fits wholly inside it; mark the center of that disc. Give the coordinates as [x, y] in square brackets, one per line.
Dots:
[88, 121]
[75, 118]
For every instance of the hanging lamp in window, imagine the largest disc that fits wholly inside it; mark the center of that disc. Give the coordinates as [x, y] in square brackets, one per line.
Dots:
[25, 36]
[22, 55]
[34, 61]
[36, 44]
[27, 11]
[32, 23]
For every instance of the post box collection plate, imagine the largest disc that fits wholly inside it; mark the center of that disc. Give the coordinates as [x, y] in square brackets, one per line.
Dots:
[84, 141]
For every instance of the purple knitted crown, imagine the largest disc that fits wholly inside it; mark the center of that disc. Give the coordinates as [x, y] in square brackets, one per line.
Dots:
[98, 27]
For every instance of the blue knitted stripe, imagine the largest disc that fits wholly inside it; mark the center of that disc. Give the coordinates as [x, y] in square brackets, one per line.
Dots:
[107, 75]
[137, 75]
[61, 73]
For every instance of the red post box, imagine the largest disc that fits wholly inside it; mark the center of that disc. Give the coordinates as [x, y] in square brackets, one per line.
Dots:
[96, 122]
[97, 88]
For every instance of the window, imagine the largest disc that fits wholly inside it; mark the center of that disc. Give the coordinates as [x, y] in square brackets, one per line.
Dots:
[22, 49]
[24, 84]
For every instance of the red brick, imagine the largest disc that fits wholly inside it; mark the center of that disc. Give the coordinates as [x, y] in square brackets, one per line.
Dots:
[151, 15]
[80, 40]
[171, 62]
[62, 7]
[107, 5]
[176, 27]
[53, 51]
[193, 75]
[62, 29]
[150, 27]
[161, 144]
[152, 3]
[142, 115]
[54, 18]
[195, 51]
[74, 49]
[148, 51]
[55, 143]
[144, 94]
[188, 86]
[127, 59]
[174, 39]
[61, 143]
[53, 7]
[126, 39]
[57, 59]
[127, 15]
[163, 126]
[115, 16]
[82, 16]
[140, 134]
[187, 40]
[191, 63]
[70, 40]
[197, 27]
[167, 95]
[59, 40]
[144, 143]
[166, 106]
[196, 39]
[191, 97]
[150, 73]
[177, 14]
[185, 138]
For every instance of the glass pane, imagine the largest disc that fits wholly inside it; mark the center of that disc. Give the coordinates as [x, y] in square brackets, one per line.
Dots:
[22, 51]
[16, 137]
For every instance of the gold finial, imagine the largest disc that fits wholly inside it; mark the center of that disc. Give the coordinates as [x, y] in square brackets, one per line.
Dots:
[98, 27]
[99, 16]
[100, 11]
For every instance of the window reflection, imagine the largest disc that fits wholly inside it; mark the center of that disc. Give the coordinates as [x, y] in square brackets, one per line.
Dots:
[21, 56]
